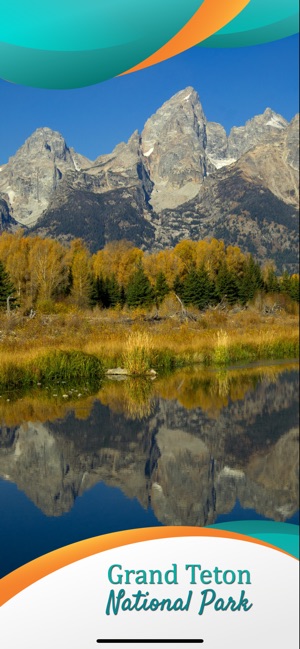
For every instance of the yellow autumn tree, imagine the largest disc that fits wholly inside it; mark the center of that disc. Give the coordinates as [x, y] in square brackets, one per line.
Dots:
[47, 268]
[36, 266]
[211, 255]
[80, 264]
[235, 260]
[166, 262]
[186, 251]
[14, 251]
[118, 258]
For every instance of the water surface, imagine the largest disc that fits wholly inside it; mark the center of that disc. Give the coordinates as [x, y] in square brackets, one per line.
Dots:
[196, 448]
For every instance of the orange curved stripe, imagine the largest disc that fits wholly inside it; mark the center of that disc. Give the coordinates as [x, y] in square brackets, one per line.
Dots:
[32, 572]
[211, 16]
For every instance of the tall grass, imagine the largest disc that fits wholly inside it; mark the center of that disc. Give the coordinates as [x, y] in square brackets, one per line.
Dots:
[62, 366]
[66, 366]
[254, 346]
[221, 352]
[138, 353]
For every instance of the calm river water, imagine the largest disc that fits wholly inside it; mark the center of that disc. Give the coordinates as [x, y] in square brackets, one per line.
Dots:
[196, 448]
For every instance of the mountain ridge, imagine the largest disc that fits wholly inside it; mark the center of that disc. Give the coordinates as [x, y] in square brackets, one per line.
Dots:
[182, 174]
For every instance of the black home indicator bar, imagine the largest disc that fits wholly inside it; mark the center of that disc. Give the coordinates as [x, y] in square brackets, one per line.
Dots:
[142, 641]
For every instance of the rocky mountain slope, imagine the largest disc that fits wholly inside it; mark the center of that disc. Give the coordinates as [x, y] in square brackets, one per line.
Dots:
[181, 177]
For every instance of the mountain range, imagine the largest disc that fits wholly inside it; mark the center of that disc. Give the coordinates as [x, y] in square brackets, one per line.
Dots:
[182, 177]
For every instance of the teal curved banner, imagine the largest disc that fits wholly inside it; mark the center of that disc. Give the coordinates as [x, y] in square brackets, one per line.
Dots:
[282, 535]
[66, 44]
[261, 21]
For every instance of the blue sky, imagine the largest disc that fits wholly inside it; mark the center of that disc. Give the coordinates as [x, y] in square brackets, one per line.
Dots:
[233, 85]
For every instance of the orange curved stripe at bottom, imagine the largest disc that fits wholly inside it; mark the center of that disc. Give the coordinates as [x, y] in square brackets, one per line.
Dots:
[211, 16]
[32, 572]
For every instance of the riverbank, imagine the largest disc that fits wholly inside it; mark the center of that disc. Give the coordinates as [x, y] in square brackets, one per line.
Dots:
[210, 389]
[85, 344]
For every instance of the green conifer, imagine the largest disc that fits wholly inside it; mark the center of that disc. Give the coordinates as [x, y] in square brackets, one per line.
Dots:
[139, 291]
[285, 283]
[226, 285]
[7, 290]
[198, 290]
[161, 288]
[294, 288]
[178, 286]
[112, 291]
[251, 281]
[272, 283]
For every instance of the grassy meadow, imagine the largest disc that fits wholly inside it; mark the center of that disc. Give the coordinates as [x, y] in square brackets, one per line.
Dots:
[68, 315]
[82, 345]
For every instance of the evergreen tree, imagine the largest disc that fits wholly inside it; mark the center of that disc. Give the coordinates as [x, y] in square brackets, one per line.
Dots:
[106, 292]
[285, 283]
[69, 282]
[99, 295]
[178, 286]
[294, 288]
[112, 291]
[94, 296]
[226, 285]
[161, 288]
[272, 283]
[251, 281]
[6, 289]
[122, 296]
[198, 290]
[101, 292]
[139, 291]
[289, 285]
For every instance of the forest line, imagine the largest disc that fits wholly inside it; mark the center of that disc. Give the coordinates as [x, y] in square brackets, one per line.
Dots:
[44, 274]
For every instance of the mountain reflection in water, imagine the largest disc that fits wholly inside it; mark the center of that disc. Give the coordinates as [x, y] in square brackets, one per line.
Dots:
[188, 447]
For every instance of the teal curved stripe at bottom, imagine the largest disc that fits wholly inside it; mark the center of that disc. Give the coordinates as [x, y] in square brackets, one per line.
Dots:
[282, 535]
[275, 32]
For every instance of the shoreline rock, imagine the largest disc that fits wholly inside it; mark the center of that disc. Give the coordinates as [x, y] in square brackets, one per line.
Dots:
[120, 371]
